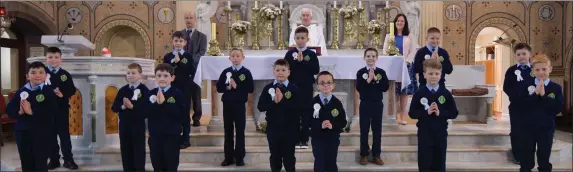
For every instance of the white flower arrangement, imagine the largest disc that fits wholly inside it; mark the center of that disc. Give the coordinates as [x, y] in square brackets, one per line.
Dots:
[375, 27]
[348, 11]
[241, 27]
[270, 12]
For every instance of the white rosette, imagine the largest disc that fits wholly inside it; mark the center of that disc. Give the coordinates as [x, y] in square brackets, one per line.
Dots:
[272, 92]
[316, 110]
[228, 74]
[153, 98]
[365, 76]
[136, 93]
[48, 82]
[427, 56]
[24, 95]
[295, 55]
[424, 102]
[531, 89]
[518, 75]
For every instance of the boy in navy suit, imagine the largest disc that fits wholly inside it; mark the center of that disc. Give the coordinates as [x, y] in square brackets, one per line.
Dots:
[543, 100]
[516, 75]
[62, 83]
[236, 83]
[303, 65]
[184, 71]
[280, 101]
[432, 105]
[432, 51]
[371, 83]
[33, 108]
[130, 103]
[166, 113]
[328, 120]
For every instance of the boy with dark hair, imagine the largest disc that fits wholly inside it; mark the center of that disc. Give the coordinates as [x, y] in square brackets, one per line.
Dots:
[280, 101]
[303, 65]
[62, 83]
[166, 114]
[34, 111]
[432, 105]
[371, 83]
[236, 83]
[432, 51]
[184, 71]
[328, 120]
[542, 101]
[130, 103]
[516, 75]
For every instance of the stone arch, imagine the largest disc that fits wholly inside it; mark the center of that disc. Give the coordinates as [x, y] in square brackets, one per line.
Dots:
[493, 22]
[122, 23]
[33, 14]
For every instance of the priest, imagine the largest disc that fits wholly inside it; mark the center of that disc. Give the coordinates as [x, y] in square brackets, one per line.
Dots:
[315, 35]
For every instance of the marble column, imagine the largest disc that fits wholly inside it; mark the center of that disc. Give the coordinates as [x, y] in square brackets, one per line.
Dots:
[428, 19]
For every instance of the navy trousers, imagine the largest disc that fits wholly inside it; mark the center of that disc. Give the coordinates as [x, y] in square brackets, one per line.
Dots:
[234, 117]
[33, 153]
[371, 118]
[281, 145]
[325, 151]
[543, 140]
[132, 146]
[62, 130]
[164, 152]
[432, 147]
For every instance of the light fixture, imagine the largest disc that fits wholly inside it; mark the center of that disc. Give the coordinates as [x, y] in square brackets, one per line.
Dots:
[5, 20]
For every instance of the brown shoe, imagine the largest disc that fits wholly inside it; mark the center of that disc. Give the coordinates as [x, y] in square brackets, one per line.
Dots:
[378, 161]
[363, 160]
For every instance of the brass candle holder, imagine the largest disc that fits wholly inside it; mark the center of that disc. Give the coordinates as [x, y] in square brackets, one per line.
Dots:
[281, 45]
[361, 29]
[336, 31]
[255, 32]
[392, 49]
[229, 43]
[214, 48]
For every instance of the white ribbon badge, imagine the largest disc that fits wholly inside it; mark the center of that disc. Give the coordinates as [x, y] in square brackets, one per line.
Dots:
[295, 55]
[135, 94]
[424, 102]
[24, 95]
[228, 77]
[427, 56]
[531, 89]
[316, 110]
[518, 75]
[272, 93]
[153, 98]
[47, 82]
[365, 76]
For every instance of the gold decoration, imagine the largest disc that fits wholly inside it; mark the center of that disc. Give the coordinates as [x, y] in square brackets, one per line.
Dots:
[375, 28]
[214, 48]
[361, 30]
[228, 43]
[392, 50]
[255, 34]
[282, 44]
[241, 28]
[335, 33]
[111, 118]
[269, 32]
[75, 116]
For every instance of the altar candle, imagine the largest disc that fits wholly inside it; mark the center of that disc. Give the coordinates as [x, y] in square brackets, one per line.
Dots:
[213, 31]
[281, 5]
[391, 29]
[387, 4]
[334, 4]
[256, 4]
[359, 4]
[229, 4]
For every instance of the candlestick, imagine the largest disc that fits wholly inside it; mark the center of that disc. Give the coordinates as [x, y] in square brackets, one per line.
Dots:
[334, 4]
[335, 34]
[229, 4]
[282, 44]
[281, 4]
[359, 4]
[256, 4]
[229, 43]
[387, 4]
[213, 31]
[391, 29]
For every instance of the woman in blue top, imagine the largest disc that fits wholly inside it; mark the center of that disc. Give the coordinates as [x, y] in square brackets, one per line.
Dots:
[407, 48]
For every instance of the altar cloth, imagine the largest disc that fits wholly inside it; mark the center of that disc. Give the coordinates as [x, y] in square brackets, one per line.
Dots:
[342, 67]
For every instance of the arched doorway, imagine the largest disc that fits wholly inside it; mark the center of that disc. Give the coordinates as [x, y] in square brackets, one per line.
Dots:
[496, 54]
[124, 38]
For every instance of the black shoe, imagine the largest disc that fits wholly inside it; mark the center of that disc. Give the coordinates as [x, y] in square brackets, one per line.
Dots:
[53, 164]
[240, 163]
[71, 165]
[196, 123]
[227, 162]
[185, 145]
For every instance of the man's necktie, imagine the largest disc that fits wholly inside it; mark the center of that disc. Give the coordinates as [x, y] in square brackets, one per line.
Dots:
[325, 101]
[433, 49]
[54, 71]
[523, 67]
[433, 91]
[132, 88]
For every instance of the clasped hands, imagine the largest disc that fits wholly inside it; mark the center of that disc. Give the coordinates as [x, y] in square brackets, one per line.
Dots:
[540, 88]
[434, 109]
[326, 124]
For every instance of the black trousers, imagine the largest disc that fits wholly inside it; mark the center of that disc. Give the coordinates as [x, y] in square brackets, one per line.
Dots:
[325, 151]
[234, 117]
[371, 118]
[132, 146]
[187, 94]
[514, 135]
[306, 113]
[432, 147]
[543, 139]
[164, 152]
[196, 97]
[33, 152]
[62, 130]
[281, 145]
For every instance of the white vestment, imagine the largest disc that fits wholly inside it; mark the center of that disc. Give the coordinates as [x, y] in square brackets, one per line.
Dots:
[315, 38]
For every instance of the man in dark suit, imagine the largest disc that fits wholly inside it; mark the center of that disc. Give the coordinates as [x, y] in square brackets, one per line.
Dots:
[196, 46]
